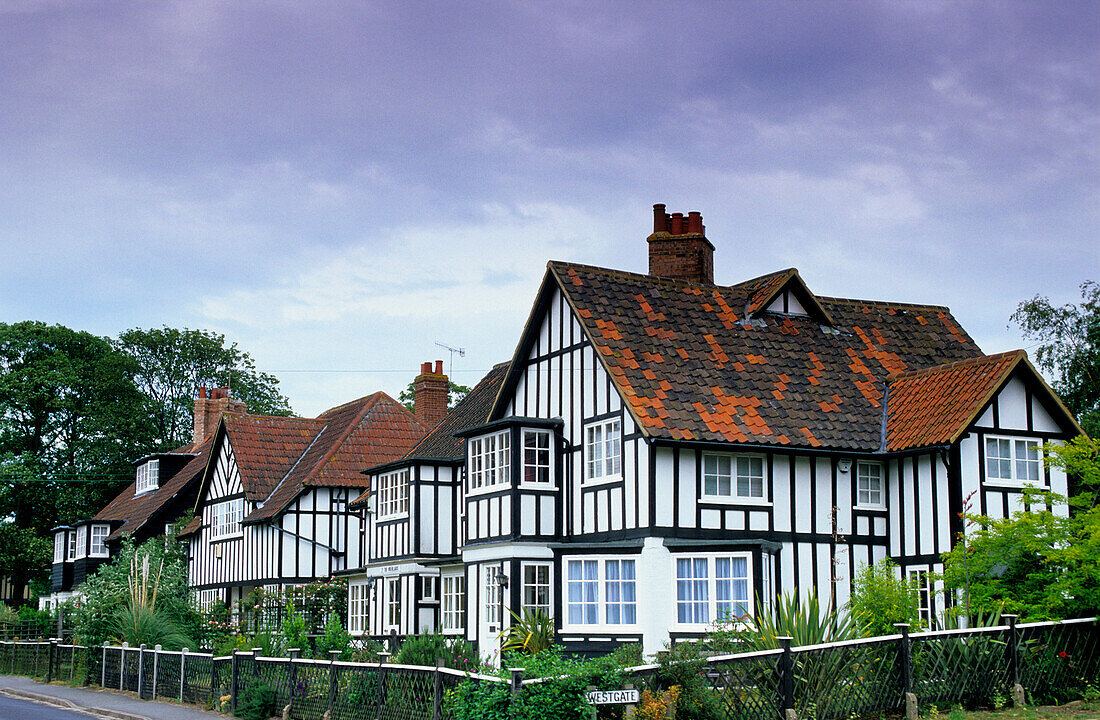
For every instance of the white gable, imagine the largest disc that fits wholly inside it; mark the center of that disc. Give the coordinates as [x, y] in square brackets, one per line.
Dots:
[786, 302]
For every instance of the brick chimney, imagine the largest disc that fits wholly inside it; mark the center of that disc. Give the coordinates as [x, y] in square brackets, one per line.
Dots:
[431, 390]
[678, 247]
[208, 411]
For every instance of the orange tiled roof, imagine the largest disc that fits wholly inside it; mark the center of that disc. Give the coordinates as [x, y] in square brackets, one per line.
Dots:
[933, 406]
[693, 362]
[279, 457]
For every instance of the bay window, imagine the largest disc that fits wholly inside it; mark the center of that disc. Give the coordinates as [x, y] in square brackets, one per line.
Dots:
[227, 516]
[601, 591]
[536, 456]
[393, 494]
[490, 460]
[710, 587]
[454, 603]
[99, 540]
[82, 541]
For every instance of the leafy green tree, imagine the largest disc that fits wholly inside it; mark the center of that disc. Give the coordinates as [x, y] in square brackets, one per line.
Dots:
[173, 364]
[1069, 338]
[71, 422]
[1037, 563]
[455, 395]
[881, 597]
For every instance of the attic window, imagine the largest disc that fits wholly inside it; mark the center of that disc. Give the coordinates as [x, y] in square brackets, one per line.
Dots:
[148, 477]
[787, 304]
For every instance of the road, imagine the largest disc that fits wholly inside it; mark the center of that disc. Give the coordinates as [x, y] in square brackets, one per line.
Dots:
[19, 709]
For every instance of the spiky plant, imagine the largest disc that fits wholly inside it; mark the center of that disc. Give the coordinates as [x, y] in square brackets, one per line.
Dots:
[138, 621]
[530, 634]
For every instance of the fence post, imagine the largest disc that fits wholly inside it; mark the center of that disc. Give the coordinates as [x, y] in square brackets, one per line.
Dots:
[437, 691]
[103, 668]
[1019, 697]
[234, 679]
[141, 671]
[382, 658]
[786, 677]
[183, 669]
[49, 660]
[156, 667]
[905, 658]
[122, 666]
[515, 680]
[333, 656]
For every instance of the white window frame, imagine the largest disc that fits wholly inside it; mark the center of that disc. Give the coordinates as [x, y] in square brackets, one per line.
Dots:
[205, 599]
[543, 458]
[870, 503]
[493, 609]
[393, 494]
[921, 579]
[429, 588]
[453, 611]
[82, 542]
[533, 585]
[710, 584]
[489, 463]
[600, 601]
[393, 604]
[358, 596]
[1014, 461]
[713, 479]
[148, 477]
[97, 545]
[70, 553]
[60, 540]
[603, 451]
[225, 519]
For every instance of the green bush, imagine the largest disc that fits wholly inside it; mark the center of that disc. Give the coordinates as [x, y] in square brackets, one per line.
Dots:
[335, 638]
[257, 701]
[682, 666]
[562, 699]
[455, 651]
[880, 598]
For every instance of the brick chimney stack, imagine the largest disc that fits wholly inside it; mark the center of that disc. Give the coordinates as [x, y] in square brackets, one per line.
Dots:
[678, 247]
[431, 390]
[208, 411]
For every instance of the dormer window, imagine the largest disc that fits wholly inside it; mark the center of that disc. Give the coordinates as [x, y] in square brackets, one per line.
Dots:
[98, 547]
[393, 494]
[59, 547]
[148, 477]
[81, 542]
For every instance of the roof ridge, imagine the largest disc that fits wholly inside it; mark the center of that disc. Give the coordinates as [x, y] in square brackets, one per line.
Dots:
[366, 398]
[553, 264]
[944, 367]
[884, 303]
[744, 284]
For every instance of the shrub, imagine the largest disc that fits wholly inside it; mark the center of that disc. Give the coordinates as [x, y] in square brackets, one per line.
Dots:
[456, 652]
[880, 598]
[681, 666]
[530, 634]
[258, 701]
[658, 705]
[335, 638]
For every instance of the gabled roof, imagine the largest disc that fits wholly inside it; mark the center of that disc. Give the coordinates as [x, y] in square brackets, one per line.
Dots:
[279, 457]
[691, 365]
[131, 513]
[766, 288]
[936, 405]
[441, 443]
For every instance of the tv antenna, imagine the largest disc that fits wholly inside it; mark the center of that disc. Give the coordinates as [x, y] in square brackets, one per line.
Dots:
[461, 353]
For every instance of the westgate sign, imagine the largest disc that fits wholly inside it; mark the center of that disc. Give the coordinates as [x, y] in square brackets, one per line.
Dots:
[613, 697]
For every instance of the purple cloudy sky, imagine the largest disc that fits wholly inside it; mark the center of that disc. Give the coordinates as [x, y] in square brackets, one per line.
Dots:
[339, 185]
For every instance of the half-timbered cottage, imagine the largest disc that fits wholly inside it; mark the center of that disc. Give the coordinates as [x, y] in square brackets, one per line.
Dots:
[272, 504]
[412, 579]
[164, 490]
[665, 450]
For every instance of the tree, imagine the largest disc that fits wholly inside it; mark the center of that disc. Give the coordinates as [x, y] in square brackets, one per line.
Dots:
[173, 364]
[71, 422]
[881, 597]
[454, 397]
[1037, 563]
[1069, 338]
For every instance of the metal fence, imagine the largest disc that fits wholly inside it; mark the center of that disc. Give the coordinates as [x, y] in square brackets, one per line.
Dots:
[1049, 661]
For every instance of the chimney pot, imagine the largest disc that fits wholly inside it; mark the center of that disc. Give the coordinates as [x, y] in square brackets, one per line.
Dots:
[425, 368]
[438, 367]
[202, 392]
[660, 219]
[679, 249]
